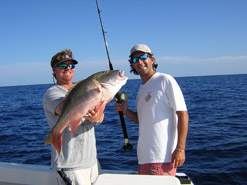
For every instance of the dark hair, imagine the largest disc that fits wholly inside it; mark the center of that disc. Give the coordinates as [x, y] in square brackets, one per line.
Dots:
[135, 72]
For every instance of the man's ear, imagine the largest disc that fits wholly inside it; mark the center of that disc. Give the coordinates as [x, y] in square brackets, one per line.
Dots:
[152, 58]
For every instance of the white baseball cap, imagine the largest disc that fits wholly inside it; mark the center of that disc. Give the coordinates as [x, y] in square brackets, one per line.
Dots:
[140, 47]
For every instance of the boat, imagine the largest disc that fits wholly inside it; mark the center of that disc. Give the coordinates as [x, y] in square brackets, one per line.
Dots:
[26, 174]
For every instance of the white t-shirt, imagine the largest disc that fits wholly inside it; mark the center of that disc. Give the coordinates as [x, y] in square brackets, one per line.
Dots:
[157, 102]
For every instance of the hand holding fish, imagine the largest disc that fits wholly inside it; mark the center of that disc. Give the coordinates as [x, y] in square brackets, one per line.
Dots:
[96, 115]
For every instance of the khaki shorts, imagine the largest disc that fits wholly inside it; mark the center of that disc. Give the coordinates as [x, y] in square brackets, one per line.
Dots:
[81, 176]
[157, 169]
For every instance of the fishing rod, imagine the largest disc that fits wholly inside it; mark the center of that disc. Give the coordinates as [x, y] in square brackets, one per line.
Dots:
[103, 31]
[120, 96]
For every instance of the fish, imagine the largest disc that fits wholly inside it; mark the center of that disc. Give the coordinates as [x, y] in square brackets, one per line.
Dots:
[95, 91]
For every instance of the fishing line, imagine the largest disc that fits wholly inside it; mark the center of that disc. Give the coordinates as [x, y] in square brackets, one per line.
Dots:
[120, 96]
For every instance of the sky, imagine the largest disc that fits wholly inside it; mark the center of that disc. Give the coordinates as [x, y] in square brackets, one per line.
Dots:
[187, 37]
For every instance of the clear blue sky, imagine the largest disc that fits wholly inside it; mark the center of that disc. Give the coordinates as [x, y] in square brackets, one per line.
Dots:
[187, 37]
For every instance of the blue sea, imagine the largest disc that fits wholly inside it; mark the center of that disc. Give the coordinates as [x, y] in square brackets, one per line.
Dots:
[216, 151]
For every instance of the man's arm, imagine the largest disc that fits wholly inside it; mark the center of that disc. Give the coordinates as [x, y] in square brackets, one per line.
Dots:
[59, 107]
[178, 155]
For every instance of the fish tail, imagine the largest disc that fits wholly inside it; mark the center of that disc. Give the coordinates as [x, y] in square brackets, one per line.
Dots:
[48, 139]
[55, 140]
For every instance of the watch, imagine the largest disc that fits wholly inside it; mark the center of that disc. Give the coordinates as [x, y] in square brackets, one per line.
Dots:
[97, 122]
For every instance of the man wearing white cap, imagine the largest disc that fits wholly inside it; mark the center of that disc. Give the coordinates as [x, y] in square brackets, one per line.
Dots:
[162, 116]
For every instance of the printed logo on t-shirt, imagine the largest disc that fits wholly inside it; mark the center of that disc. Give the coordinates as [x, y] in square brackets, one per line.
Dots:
[148, 97]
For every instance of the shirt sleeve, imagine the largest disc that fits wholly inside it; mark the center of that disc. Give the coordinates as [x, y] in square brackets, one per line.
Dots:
[174, 95]
[52, 98]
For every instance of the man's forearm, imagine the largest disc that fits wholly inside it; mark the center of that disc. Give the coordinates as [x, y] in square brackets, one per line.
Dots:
[131, 115]
[183, 122]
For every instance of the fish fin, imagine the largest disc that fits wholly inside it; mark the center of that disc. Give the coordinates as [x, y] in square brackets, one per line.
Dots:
[48, 139]
[99, 88]
[98, 85]
[74, 125]
[71, 89]
[57, 143]
[101, 107]
[98, 106]
[77, 83]
[55, 140]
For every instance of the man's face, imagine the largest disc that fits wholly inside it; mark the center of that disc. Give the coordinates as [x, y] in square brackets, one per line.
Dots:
[64, 73]
[143, 64]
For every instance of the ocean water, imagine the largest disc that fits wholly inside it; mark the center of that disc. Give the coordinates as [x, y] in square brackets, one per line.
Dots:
[216, 151]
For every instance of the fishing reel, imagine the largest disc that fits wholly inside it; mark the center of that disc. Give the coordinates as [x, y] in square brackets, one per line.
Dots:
[121, 97]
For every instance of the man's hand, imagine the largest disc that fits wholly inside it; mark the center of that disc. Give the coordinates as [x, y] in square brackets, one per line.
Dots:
[123, 106]
[96, 115]
[178, 157]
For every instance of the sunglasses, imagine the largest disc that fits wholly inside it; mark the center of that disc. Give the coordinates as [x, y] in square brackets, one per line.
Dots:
[136, 59]
[64, 66]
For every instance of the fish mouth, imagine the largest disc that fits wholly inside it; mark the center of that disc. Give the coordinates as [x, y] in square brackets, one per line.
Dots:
[121, 74]
[119, 79]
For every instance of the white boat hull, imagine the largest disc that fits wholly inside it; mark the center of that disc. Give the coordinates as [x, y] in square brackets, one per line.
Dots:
[20, 174]
[24, 174]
